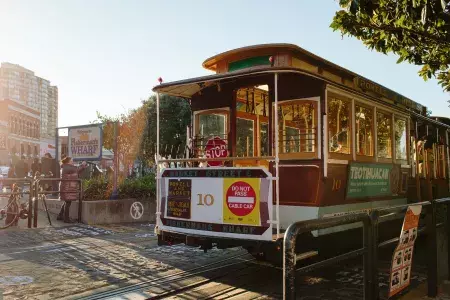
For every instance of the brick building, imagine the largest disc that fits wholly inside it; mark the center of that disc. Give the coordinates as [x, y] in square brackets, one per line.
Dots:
[19, 132]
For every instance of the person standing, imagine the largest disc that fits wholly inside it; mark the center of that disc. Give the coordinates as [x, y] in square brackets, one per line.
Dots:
[69, 189]
[21, 168]
[36, 167]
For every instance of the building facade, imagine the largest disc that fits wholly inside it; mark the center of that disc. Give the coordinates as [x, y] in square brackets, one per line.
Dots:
[19, 132]
[28, 113]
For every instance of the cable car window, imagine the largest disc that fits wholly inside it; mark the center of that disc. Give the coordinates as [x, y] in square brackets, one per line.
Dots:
[297, 123]
[384, 135]
[263, 138]
[212, 125]
[400, 139]
[244, 137]
[364, 130]
[339, 116]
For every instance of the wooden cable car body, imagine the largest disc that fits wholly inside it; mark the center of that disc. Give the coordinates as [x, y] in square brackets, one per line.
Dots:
[281, 135]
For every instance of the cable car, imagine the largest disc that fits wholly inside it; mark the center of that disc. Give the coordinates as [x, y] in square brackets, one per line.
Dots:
[280, 135]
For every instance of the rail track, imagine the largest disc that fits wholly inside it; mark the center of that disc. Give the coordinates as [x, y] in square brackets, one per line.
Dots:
[181, 281]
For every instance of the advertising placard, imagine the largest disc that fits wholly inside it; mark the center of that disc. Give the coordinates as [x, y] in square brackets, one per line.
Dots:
[370, 180]
[85, 143]
[400, 276]
[241, 205]
[179, 198]
[227, 202]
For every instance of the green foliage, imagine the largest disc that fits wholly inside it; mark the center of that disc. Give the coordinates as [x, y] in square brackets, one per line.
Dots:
[137, 129]
[415, 30]
[138, 188]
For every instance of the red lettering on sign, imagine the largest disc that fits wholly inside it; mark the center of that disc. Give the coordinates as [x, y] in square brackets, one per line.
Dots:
[241, 198]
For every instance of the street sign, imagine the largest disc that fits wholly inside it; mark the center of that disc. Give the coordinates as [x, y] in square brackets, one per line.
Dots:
[216, 148]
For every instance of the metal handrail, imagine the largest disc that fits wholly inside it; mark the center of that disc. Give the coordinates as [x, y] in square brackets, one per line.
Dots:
[30, 193]
[371, 244]
[270, 158]
[289, 246]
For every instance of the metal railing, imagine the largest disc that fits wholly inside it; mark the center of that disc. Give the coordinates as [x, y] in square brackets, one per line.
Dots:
[371, 244]
[34, 192]
[20, 182]
[37, 192]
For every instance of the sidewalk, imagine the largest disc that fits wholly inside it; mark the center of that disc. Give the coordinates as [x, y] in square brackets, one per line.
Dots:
[421, 292]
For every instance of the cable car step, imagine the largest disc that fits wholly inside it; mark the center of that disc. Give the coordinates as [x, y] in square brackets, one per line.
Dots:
[305, 255]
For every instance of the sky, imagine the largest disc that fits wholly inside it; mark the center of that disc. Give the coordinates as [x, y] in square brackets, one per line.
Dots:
[106, 55]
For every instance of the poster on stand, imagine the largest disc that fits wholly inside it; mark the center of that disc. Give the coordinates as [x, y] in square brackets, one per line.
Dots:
[85, 143]
[400, 276]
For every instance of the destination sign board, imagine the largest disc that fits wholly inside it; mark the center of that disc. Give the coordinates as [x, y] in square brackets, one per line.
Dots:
[372, 180]
[369, 86]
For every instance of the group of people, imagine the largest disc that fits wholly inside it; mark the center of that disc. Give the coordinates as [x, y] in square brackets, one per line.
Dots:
[50, 168]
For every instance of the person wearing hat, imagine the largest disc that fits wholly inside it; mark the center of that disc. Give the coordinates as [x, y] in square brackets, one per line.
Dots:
[69, 190]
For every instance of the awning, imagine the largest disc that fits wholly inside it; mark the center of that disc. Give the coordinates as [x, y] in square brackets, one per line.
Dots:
[187, 88]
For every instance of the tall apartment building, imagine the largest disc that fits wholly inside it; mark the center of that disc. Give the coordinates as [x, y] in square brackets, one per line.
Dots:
[23, 92]
[22, 86]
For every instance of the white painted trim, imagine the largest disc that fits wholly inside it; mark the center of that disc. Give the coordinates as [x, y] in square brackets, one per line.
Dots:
[277, 157]
[22, 111]
[353, 130]
[338, 161]
[366, 101]
[375, 134]
[325, 136]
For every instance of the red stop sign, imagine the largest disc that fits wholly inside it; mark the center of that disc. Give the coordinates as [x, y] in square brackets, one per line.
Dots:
[241, 198]
[216, 148]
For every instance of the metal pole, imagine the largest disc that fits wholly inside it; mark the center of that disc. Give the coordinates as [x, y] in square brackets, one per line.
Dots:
[277, 159]
[432, 269]
[158, 213]
[289, 261]
[448, 239]
[30, 205]
[56, 144]
[116, 162]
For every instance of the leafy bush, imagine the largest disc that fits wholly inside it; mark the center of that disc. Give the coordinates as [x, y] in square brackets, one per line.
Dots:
[101, 189]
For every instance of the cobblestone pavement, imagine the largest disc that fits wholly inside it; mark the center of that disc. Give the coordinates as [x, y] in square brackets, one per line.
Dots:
[81, 261]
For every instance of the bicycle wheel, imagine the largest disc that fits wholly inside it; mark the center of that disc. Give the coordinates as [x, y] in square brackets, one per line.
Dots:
[10, 213]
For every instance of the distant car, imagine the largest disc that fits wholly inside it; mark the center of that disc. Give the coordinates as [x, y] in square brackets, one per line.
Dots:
[4, 171]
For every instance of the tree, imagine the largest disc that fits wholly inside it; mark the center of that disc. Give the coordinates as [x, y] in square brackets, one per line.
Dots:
[415, 30]
[137, 129]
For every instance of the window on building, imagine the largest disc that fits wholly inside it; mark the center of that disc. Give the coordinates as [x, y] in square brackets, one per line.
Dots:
[264, 138]
[400, 139]
[384, 135]
[339, 122]
[364, 130]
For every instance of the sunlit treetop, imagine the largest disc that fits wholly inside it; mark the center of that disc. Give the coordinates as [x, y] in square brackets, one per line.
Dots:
[415, 30]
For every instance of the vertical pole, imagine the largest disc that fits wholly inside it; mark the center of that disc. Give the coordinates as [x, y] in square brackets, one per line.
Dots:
[448, 240]
[448, 158]
[374, 217]
[418, 188]
[35, 205]
[277, 159]
[56, 144]
[30, 204]
[367, 259]
[116, 161]
[158, 213]
[432, 250]
[289, 261]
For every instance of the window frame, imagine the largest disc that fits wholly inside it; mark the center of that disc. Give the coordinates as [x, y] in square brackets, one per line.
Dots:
[316, 154]
[365, 158]
[384, 159]
[394, 150]
[334, 155]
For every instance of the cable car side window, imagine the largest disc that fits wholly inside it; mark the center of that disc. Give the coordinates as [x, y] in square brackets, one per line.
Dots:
[364, 130]
[339, 124]
[384, 135]
[400, 139]
[298, 128]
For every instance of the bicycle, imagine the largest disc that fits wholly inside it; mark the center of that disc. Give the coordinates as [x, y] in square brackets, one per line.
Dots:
[14, 209]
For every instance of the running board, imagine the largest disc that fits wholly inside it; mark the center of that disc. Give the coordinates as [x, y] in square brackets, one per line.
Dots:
[305, 255]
